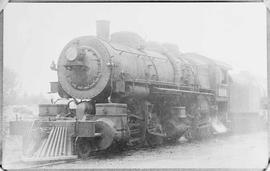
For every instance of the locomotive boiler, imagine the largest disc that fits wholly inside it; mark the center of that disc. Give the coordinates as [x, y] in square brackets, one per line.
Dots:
[127, 92]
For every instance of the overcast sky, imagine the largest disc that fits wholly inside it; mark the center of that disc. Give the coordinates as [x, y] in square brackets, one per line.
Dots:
[34, 34]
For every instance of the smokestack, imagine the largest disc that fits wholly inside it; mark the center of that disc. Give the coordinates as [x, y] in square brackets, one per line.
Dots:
[103, 29]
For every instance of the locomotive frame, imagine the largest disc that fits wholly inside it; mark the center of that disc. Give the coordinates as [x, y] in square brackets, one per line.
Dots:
[127, 92]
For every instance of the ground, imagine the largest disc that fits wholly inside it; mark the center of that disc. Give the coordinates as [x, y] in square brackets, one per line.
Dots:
[242, 150]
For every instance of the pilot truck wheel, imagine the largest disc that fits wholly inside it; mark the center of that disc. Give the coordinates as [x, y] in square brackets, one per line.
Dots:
[83, 147]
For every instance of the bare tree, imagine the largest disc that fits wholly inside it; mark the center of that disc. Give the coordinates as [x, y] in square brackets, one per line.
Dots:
[10, 86]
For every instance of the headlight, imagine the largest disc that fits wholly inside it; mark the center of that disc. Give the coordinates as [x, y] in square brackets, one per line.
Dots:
[71, 53]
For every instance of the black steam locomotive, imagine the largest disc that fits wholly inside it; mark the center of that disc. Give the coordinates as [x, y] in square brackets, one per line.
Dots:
[127, 92]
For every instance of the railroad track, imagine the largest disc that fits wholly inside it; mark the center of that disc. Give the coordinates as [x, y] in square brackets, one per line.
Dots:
[52, 163]
[101, 154]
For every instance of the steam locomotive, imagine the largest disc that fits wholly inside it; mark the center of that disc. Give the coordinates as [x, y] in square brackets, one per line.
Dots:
[127, 92]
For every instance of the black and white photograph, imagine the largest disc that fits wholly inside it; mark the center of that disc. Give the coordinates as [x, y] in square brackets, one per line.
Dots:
[135, 85]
